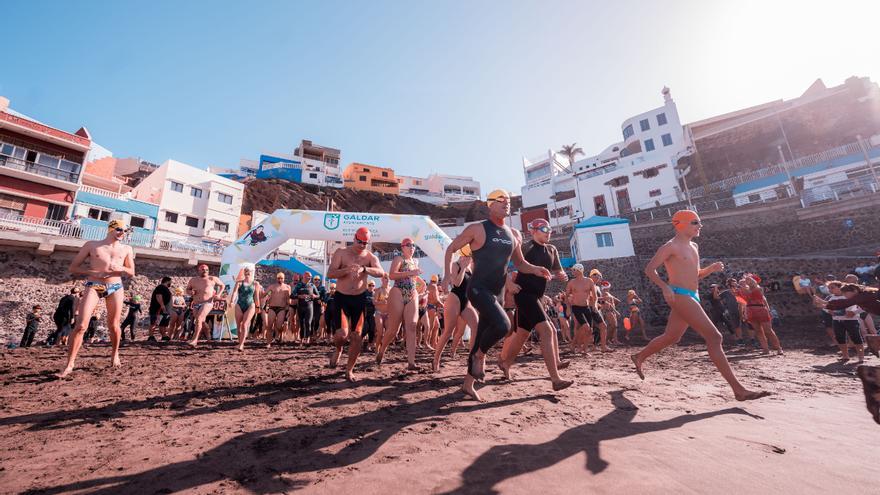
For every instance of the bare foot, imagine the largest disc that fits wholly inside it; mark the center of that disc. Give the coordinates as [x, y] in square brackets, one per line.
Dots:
[116, 362]
[635, 360]
[563, 364]
[605, 349]
[240, 348]
[379, 356]
[65, 372]
[561, 385]
[192, 343]
[780, 353]
[505, 370]
[471, 392]
[349, 375]
[749, 395]
[413, 367]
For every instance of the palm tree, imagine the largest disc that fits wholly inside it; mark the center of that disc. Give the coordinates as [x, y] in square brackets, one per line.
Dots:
[571, 152]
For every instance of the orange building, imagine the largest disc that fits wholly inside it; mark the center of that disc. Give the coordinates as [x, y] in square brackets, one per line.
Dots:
[363, 177]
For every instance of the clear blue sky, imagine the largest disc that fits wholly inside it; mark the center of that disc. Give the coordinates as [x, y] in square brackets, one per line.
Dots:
[422, 86]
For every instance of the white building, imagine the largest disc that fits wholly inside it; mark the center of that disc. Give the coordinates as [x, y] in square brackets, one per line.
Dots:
[440, 188]
[638, 172]
[601, 238]
[194, 205]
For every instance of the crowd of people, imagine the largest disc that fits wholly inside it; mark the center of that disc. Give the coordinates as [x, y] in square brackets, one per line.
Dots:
[494, 289]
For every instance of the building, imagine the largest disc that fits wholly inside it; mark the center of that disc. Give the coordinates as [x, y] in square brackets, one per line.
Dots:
[196, 207]
[362, 177]
[321, 164]
[440, 188]
[103, 196]
[601, 238]
[636, 173]
[308, 164]
[40, 167]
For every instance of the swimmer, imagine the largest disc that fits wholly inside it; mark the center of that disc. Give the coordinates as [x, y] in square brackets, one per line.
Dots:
[109, 259]
[204, 291]
[681, 258]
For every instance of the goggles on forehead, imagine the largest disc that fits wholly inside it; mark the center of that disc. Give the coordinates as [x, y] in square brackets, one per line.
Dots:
[544, 228]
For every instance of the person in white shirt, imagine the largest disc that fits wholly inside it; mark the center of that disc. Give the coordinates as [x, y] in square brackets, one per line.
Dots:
[846, 324]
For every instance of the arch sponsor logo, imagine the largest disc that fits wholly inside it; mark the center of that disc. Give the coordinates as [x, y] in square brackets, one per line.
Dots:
[331, 221]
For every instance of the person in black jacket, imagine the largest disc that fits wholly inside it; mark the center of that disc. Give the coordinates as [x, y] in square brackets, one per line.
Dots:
[64, 316]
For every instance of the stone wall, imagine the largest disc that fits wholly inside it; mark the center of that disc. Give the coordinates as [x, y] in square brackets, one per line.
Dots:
[27, 278]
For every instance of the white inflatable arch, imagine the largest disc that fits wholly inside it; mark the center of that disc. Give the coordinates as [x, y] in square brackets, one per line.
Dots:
[282, 225]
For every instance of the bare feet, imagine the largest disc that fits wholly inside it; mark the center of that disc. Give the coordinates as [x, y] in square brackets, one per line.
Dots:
[635, 360]
[561, 384]
[65, 372]
[749, 395]
[468, 388]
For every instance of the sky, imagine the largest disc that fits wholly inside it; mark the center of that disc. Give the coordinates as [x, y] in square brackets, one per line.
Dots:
[456, 87]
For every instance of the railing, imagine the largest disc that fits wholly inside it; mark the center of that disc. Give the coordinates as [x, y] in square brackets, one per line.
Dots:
[104, 192]
[66, 229]
[792, 165]
[839, 190]
[36, 168]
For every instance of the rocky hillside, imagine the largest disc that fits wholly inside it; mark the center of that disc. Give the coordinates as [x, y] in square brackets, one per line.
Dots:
[273, 194]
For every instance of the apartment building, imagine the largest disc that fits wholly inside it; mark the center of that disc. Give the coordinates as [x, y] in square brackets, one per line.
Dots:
[363, 177]
[195, 206]
[440, 188]
[40, 167]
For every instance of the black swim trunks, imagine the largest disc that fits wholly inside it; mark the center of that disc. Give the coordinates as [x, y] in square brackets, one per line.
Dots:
[353, 307]
[587, 315]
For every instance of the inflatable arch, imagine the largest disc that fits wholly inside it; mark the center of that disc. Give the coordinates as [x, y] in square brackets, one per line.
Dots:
[282, 225]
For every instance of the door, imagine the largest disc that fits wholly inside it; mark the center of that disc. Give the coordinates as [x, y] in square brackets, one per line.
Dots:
[599, 206]
[623, 201]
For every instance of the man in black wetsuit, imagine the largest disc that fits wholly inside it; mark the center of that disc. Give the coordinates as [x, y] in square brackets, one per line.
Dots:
[494, 245]
[530, 313]
[305, 292]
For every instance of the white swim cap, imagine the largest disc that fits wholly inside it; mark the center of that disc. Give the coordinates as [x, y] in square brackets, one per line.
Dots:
[578, 267]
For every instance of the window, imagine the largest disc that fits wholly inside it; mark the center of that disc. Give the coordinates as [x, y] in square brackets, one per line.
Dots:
[138, 222]
[98, 214]
[667, 139]
[366, 170]
[57, 212]
[221, 226]
[224, 198]
[49, 161]
[176, 186]
[651, 172]
[363, 178]
[627, 132]
[170, 217]
[6, 149]
[384, 174]
[30, 156]
[649, 145]
[644, 124]
[192, 222]
[195, 192]
[661, 119]
[313, 176]
[654, 193]
[604, 239]
[754, 197]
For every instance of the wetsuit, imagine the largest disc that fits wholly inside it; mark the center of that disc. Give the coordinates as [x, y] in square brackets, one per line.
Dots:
[63, 318]
[305, 307]
[316, 308]
[369, 317]
[529, 309]
[331, 314]
[486, 284]
[131, 318]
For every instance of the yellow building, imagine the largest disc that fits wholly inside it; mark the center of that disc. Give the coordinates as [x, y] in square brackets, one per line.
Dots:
[363, 177]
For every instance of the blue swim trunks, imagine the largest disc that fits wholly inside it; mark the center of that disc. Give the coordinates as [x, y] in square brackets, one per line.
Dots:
[686, 292]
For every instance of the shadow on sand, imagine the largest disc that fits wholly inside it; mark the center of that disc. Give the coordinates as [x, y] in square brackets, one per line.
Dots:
[503, 462]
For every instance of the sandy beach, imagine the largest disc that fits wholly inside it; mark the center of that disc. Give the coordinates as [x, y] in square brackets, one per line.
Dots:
[275, 420]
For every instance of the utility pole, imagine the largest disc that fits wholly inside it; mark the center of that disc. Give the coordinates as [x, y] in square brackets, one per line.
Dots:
[787, 172]
[868, 162]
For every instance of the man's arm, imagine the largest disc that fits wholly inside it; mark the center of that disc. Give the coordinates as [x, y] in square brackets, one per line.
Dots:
[659, 258]
[374, 269]
[557, 270]
[76, 265]
[511, 285]
[467, 236]
[335, 270]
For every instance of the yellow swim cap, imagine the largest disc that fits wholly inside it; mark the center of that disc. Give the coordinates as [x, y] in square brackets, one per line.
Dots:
[116, 224]
[497, 194]
[465, 251]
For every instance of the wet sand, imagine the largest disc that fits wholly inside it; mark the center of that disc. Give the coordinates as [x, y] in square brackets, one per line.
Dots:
[214, 420]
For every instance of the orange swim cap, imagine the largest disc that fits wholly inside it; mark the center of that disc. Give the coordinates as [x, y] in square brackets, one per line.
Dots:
[363, 234]
[683, 218]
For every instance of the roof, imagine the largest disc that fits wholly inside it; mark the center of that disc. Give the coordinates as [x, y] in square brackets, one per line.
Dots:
[597, 221]
[781, 178]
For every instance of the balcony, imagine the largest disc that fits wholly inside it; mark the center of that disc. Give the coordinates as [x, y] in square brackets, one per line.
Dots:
[65, 179]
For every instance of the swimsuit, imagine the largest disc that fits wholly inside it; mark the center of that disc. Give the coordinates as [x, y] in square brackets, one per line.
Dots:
[102, 289]
[460, 290]
[756, 309]
[406, 286]
[245, 296]
[353, 306]
[686, 292]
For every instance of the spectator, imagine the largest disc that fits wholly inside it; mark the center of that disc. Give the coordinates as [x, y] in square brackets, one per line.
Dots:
[90, 331]
[64, 316]
[134, 310]
[160, 309]
[31, 326]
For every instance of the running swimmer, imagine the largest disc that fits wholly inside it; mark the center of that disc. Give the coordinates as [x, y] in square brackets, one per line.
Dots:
[204, 291]
[277, 301]
[581, 294]
[681, 258]
[351, 266]
[305, 292]
[403, 303]
[493, 245]
[109, 260]
[530, 312]
[246, 297]
[457, 312]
